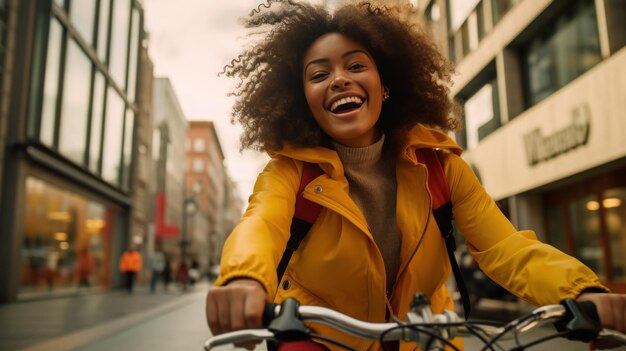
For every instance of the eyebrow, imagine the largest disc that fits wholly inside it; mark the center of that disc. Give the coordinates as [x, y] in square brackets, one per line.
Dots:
[347, 53]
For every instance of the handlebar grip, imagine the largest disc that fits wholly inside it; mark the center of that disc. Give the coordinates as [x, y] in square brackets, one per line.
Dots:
[581, 321]
[269, 313]
[589, 309]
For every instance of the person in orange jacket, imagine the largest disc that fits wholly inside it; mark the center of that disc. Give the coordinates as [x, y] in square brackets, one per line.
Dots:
[130, 264]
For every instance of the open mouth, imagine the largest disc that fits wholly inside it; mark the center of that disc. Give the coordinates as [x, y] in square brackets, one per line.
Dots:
[346, 104]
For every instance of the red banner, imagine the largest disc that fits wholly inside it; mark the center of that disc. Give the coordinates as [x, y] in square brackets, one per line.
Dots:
[162, 229]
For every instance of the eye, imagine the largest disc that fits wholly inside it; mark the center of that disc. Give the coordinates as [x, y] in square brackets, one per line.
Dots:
[357, 66]
[317, 76]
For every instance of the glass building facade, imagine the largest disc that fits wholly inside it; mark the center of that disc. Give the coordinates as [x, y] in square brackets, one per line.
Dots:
[69, 175]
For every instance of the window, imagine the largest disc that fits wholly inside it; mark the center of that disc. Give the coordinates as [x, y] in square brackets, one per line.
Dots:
[112, 149]
[481, 108]
[587, 220]
[82, 15]
[566, 48]
[75, 105]
[198, 145]
[66, 241]
[51, 84]
[97, 111]
[481, 114]
[197, 186]
[466, 26]
[129, 122]
[198, 165]
[585, 228]
[134, 52]
[103, 29]
[119, 41]
[614, 206]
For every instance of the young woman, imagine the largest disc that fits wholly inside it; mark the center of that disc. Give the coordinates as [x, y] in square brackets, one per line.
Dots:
[358, 92]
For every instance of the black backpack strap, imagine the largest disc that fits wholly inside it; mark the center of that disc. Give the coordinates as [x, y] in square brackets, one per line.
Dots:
[305, 214]
[442, 211]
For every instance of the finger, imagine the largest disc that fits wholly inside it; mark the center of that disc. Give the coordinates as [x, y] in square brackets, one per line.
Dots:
[212, 313]
[254, 306]
[237, 310]
[223, 312]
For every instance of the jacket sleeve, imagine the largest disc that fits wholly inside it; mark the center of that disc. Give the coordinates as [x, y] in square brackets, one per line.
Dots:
[517, 260]
[256, 244]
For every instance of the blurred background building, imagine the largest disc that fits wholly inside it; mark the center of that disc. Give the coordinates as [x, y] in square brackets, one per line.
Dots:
[92, 151]
[543, 86]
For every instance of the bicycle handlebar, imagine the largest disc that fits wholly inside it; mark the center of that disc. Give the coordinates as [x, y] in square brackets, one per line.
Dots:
[286, 322]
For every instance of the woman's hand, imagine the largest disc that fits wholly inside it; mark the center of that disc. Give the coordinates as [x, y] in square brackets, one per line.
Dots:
[235, 306]
[612, 312]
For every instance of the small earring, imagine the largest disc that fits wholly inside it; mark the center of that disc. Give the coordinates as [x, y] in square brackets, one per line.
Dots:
[385, 94]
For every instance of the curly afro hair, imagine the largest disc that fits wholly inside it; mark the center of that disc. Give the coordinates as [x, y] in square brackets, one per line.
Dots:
[271, 105]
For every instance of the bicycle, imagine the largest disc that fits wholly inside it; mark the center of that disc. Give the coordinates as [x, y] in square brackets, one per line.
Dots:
[285, 323]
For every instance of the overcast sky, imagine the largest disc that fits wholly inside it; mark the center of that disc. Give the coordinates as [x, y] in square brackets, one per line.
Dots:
[190, 41]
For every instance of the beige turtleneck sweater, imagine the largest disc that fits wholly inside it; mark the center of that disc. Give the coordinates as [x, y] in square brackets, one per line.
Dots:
[372, 183]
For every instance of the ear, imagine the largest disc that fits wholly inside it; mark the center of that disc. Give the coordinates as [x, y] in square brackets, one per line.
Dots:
[385, 93]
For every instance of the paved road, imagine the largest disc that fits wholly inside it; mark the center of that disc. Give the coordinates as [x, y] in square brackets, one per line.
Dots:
[183, 328]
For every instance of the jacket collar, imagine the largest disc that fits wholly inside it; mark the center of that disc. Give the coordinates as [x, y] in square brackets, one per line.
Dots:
[419, 137]
[423, 137]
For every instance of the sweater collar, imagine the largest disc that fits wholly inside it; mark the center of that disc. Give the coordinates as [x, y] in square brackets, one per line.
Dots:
[361, 156]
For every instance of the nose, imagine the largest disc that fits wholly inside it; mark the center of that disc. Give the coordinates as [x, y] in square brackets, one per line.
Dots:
[341, 80]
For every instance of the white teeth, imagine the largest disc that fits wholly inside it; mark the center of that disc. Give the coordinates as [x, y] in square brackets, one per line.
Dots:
[349, 99]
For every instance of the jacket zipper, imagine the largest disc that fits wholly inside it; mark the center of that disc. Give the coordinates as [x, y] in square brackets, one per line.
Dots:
[419, 244]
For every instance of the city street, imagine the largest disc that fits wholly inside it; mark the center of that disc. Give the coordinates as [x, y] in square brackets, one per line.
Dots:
[175, 320]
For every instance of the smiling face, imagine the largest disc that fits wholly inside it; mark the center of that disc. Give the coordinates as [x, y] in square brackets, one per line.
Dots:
[343, 89]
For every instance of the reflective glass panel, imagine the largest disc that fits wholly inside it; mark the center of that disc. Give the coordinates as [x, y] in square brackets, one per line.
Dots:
[585, 223]
[614, 203]
[75, 105]
[482, 114]
[51, 84]
[113, 128]
[66, 241]
[565, 49]
[82, 15]
[119, 41]
[129, 125]
[103, 29]
[97, 112]
[556, 231]
[132, 61]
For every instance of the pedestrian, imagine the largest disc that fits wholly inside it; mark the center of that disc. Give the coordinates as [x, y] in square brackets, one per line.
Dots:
[182, 275]
[359, 92]
[157, 264]
[130, 265]
[194, 272]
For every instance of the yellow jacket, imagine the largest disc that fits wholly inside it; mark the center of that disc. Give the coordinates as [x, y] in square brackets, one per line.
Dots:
[338, 264]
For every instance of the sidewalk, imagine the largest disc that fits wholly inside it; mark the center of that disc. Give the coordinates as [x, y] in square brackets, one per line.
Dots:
[69, 322]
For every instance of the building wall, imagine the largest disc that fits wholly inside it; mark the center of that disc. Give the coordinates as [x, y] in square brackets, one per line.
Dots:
[205, 182]
[542, 84]
[168, 152]
[142, 208]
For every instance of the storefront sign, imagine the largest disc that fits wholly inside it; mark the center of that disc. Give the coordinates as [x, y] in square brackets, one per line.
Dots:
[540, 148]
